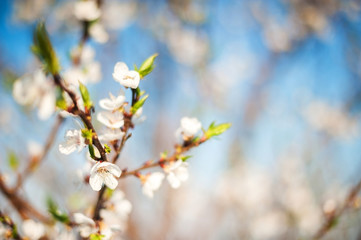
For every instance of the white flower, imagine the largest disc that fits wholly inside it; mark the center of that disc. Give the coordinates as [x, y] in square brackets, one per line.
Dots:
[111, 134]
[120, 205]
[189, 127]
[125, 77]
[35, 91]
[110, 119]
[33, 230]
[112, 103]
[35, 149]
[98, 33]
[86, 10]
[74, 141]
[177, 173]
[152, 183]
[104, 173]
[86, 225]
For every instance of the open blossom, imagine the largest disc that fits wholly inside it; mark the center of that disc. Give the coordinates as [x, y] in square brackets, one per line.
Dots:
[152, 183]
[125, 77]
[111, 119]
[74, 141]
[33, 230]
[112, 103]
[104, 173]
[189, 127]
[86, 226]
[35, 91]
[177, 173]
[111, 134]
[86, 10]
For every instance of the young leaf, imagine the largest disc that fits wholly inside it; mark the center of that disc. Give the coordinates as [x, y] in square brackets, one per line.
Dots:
[56, 213]
[87, 134]
[13, 160]
[96, 236]
[147, 66]
[185, 158]
[215, 130]
[43, 49]
[107, 148]
[138, 104]
[85, 96]
[91, 151]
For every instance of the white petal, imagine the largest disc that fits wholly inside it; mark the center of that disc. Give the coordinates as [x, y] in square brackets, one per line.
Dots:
[173, 180]
[110, 181]
[112, 168]
[111, 120]
[80, 218]
[47, 106]
[182, 173]
[96, 182]
[66, 148]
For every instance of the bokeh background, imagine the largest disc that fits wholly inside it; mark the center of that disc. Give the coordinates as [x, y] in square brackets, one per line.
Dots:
[286, 74]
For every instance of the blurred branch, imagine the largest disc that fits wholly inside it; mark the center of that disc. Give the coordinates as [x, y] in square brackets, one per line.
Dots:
[23, 207]
[331, 221]
[34, 163]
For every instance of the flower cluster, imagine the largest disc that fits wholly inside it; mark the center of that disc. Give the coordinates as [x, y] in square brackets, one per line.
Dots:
[114, 218]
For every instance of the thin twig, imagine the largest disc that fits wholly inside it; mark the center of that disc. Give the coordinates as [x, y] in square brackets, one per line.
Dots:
[330, 222]
[23, 207]
[85, 117]
[34, 163]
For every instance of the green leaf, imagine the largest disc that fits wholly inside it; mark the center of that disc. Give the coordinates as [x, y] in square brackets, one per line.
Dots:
[147, 66]
[43, 49]
[56, 213]
[138, 104]
[87, 134]
[13, 160]
[91, 151]
[85, 96]
[107, 148]
[96, 236]
[184, 158]
[215, 130]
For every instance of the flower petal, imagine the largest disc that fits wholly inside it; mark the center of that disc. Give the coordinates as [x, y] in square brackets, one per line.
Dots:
[96, 181]
[110, 181]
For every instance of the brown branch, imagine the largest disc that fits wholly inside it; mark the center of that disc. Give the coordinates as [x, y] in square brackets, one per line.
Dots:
[35, 162]
[331, 220]
[85, 116]
[179, 151]
[23, 207]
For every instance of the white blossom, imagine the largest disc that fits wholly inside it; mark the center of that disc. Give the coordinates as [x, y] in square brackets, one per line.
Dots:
[189, 127]
[86, 10]
[177, 173]
[86, 226]
[111, 119]
[152, 183]
[112, 103]
[74, 141]
[111, 134]
[104, 173]
[98, 33]
[33, 230]
[36, 91]
[125, 77]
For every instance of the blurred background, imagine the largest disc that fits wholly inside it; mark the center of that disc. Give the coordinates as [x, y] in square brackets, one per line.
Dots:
[286, 74]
